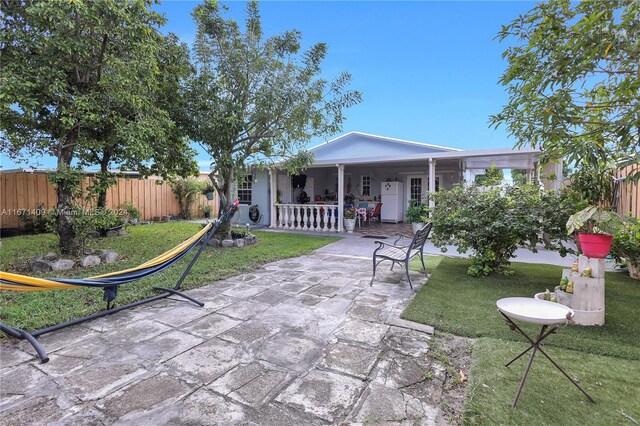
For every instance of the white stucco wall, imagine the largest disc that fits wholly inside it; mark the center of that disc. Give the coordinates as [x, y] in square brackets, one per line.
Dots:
[259, 196]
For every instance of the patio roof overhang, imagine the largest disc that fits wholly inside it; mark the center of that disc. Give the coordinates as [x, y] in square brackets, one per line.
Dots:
[500, 158]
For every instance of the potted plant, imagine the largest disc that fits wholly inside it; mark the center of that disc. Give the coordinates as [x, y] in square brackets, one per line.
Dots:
[206, 210]
[626, 246]
[417, 215]
[132, 212]
[208, 190]
[350, 219]
[594, 228]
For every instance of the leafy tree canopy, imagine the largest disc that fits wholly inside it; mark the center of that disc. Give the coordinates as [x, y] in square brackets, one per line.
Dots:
[573, 77]
[258, 100]
[80, 75]
[519, 177]
[491, 177]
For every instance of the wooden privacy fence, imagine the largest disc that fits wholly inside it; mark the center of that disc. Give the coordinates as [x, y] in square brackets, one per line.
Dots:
[26, 191]
[628, 197]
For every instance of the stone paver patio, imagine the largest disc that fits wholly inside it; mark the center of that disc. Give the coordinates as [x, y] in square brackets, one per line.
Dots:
[301, 341]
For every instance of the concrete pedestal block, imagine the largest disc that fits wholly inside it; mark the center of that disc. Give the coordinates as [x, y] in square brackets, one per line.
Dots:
[587, 299]
[597, 266]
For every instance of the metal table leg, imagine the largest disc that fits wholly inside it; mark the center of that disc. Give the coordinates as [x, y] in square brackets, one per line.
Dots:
[535, 345]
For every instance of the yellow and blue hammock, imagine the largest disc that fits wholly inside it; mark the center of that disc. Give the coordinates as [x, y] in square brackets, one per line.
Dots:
[110, 281]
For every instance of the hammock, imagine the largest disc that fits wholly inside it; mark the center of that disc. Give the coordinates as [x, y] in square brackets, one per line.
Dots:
[110, 282]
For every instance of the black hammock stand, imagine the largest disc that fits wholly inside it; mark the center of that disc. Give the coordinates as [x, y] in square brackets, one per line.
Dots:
[111, 290]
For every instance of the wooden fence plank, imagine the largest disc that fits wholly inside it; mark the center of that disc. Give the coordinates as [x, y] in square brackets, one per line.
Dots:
[147, 214]
[11, 201]
[27, 191]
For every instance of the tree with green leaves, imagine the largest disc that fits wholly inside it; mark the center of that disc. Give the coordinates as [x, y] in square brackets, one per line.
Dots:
[573, 79]
[81, 78]
[491, 177]
[519, 177]
[162, 149]
[258, 100]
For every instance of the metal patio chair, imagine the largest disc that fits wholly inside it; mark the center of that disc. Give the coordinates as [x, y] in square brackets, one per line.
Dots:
[402, 254]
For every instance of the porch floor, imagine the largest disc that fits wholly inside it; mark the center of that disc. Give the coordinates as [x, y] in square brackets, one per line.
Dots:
[383, 229]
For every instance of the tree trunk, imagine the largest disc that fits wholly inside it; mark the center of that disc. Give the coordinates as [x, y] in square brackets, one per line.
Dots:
[69, 243]
[224, 201]
[101, 202]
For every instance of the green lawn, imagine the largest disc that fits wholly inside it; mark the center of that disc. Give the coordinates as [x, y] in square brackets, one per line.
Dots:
[548, 398]
[34, 310]
[459, 304]
[604, 359]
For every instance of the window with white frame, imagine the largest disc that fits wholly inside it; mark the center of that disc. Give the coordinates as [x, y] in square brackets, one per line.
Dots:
[365, 184]
[245, 186]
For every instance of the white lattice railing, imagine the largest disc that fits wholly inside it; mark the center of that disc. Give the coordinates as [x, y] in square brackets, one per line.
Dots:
[307, 217]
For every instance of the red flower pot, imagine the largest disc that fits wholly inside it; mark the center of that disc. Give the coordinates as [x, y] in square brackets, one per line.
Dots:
[595, 245]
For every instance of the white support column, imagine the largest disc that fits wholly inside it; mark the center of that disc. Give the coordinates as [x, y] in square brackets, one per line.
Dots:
[529, 173]
[432, 181]
[340, 196]
[273, 185]
[557, 184]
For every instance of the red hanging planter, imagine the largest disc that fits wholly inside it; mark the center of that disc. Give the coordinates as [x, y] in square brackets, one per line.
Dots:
[595, 245]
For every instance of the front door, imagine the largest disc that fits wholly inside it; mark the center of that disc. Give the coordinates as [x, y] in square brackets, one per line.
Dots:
[417, 188]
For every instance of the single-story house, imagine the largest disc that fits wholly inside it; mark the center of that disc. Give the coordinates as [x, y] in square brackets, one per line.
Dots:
[364, 169]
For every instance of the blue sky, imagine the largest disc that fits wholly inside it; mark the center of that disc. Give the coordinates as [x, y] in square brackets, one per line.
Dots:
[428, 71]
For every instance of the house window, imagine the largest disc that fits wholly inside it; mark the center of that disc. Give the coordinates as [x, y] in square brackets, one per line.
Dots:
[366, 186]
[244, 189]
[415, 189]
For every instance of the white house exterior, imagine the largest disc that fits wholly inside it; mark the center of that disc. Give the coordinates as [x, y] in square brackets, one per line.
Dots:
[362, 164]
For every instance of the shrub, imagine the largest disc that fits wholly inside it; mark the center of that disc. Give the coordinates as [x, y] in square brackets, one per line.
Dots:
[494, 221]
[238, 232]
[626, 242]
[185, 191]
[131, 210]
[39, 220]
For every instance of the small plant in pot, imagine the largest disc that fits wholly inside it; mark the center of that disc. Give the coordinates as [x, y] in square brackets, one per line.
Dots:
[626, 246]
[350, 219]
[594, 228]
[417, 214]
[208, 190]
[132, 212]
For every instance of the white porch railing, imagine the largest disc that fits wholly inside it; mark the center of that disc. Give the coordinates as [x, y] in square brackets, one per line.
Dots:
[307, 217]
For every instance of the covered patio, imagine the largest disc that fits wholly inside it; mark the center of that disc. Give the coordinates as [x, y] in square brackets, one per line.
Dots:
[316, 200]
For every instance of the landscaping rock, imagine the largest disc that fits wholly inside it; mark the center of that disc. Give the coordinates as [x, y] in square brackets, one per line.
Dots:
[213, 242]
[89, 261]
[239, 242]
[109, 256]
[122, 232]
[87, 250]
[112, 233]
[50, 256]
[227, 243]
[93, 234]
[62, 265]
[38, 264]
